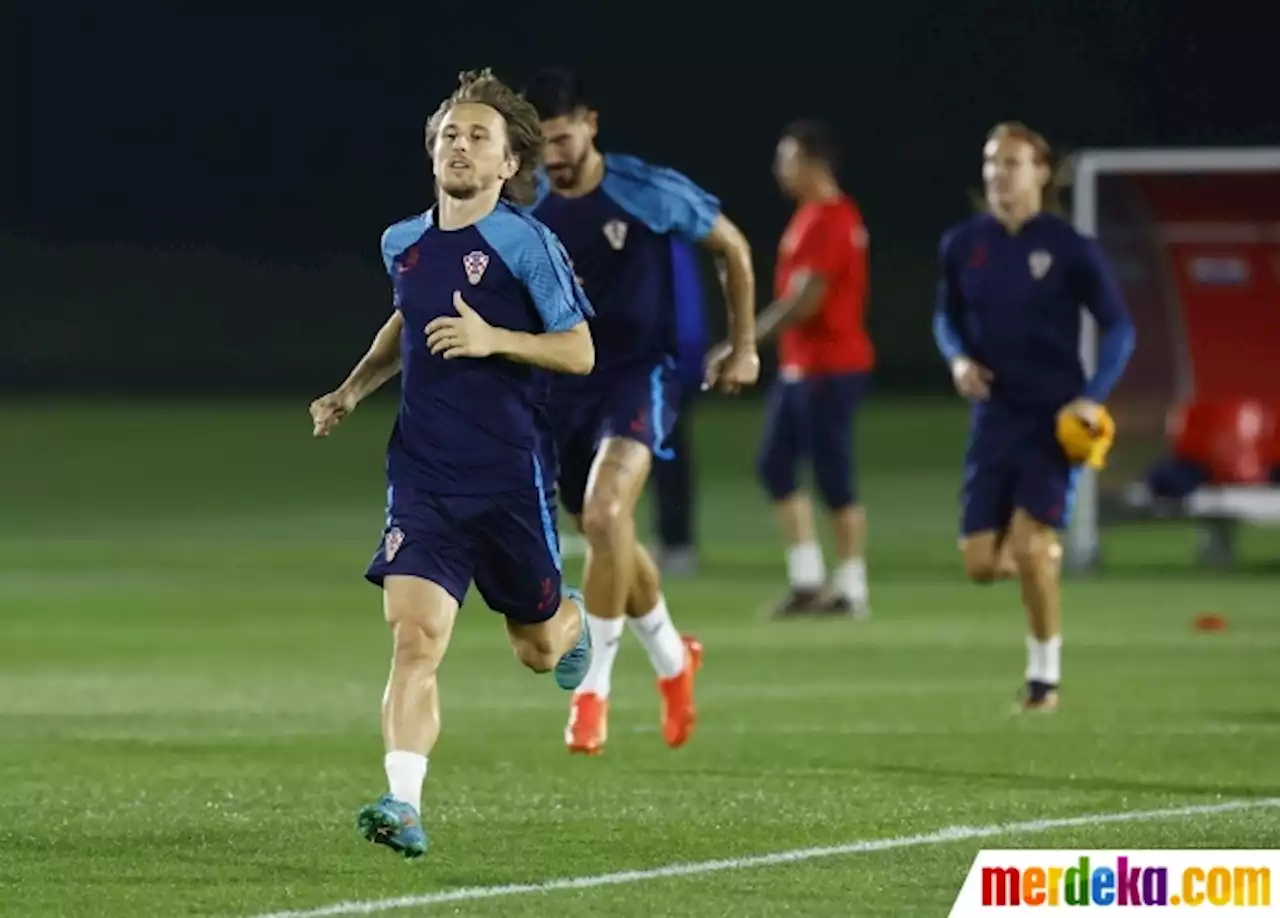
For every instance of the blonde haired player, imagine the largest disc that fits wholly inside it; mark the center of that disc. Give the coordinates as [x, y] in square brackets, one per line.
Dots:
[1013, 279]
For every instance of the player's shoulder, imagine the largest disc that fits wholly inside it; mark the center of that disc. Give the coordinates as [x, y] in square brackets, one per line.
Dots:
[1060, 228]
[1065, 239]
[964, 232]
[633, 169]
[400, 235]
[516, 235]
[841, 211]
[666, 200]
[847, 206]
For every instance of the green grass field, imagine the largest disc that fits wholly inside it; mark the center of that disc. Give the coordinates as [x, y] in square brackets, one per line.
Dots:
[191, 666]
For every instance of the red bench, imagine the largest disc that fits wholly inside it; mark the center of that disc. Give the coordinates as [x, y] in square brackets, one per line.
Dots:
[1236, 440]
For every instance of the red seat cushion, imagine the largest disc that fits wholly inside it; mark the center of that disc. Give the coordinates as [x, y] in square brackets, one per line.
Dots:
[1235, 439]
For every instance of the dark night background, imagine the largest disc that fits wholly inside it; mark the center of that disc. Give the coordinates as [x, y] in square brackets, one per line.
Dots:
[195, 197]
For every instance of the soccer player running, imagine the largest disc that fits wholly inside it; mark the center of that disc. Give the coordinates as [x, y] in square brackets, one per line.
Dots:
[1013, 279]
[619, 218]
[484, 296]
[825, 359]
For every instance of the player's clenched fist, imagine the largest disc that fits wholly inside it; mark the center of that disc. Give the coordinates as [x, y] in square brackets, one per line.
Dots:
[973, 380]
[328, 410]
[463, 335]
[730, 369]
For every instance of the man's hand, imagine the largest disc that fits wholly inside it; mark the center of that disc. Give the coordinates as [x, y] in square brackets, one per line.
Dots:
[973, 380]
[730, 368]
[466, 335]
[328, 410]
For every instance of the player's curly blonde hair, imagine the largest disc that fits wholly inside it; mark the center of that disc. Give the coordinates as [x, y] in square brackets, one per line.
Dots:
[524, 128]
[1061, 169]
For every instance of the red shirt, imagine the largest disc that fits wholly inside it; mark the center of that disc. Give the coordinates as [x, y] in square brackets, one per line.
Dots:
[827, 238]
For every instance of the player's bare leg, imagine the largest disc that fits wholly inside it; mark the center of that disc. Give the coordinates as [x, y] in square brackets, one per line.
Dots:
[806, 568]
[1038, 556]
[617, 479]
[646, 584]
[613, 489]
[420, 615]
[849, 525]
[614, 557]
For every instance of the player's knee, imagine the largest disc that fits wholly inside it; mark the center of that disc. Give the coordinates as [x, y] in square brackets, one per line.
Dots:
[981, 570]
[416, 644]
[835, 485]
[420, 617]
[602, 518]
[981, 564]
[535, 651]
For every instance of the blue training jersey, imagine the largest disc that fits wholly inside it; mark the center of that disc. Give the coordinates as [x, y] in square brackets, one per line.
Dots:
[620, 237]
[475, 426]
[1012, 303]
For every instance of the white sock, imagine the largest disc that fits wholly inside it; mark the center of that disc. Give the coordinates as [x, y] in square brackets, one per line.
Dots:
[661, 640]
[850, 580]
[805, 567]
[405, 773]
[606, 635]
[1044, 660]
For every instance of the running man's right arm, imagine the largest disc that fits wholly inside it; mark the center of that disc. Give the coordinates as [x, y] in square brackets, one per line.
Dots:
[948, 309]
[379, 364]
[972, 380]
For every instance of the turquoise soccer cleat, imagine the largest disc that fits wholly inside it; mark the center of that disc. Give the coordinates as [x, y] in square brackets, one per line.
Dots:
[572, 667]
[393, 823]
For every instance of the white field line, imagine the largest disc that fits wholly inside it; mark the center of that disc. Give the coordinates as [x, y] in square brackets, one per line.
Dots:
[941, 836]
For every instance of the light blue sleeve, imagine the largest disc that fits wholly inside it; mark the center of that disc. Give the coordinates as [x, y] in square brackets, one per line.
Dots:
[663, 199]
[537, 258]
[948, 310]
[397, 237]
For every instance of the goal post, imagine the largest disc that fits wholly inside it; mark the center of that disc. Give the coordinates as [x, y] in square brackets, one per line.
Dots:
[1225, 230]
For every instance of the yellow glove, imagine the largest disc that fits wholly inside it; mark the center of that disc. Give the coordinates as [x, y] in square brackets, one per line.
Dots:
[1086, 431]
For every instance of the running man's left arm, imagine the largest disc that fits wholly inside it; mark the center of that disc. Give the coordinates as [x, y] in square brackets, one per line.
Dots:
[565, 346]
[1096, 288]
[674, 204]
[570, 351]
[733, 257]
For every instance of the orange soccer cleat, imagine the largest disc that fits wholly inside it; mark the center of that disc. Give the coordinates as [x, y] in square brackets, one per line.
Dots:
[588, 724]
[678, 710]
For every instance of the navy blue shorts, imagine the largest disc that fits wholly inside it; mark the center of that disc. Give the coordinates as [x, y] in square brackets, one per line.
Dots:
[812, 418]
[640, 405]
[507, 543]
[1015, 463]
